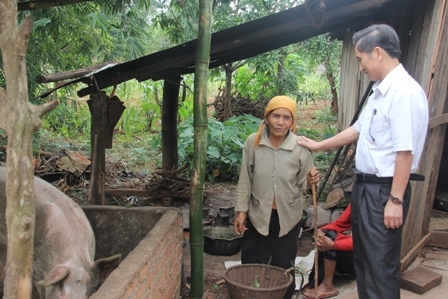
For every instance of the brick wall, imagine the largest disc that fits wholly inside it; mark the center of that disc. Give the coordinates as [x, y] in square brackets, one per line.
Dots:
[153, 268]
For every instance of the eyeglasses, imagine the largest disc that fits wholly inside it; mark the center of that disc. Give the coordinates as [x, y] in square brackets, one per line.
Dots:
[370, 127]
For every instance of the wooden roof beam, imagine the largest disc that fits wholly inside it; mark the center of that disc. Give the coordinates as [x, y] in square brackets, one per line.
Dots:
[32, 5]
[47, 78]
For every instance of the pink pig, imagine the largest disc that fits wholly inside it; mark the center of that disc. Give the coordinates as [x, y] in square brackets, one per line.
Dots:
[64, 246]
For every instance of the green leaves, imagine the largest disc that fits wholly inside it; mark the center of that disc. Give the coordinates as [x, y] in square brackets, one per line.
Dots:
[41, 23]
[225, 143]
[76, 36]
[255, 283]
[213, 152]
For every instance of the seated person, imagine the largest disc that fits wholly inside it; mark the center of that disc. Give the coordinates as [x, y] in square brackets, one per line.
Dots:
[335, 254]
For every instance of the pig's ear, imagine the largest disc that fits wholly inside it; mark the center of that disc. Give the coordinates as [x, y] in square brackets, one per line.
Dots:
[107, 265]
[56, 275]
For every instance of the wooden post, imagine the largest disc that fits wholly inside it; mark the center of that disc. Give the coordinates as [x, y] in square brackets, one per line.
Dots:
[170, 104]
[98, 132]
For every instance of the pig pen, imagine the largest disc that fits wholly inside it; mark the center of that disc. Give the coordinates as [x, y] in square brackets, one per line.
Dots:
[150, 241]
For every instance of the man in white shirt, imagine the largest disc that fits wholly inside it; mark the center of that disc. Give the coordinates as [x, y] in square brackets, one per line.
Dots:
[391, 132]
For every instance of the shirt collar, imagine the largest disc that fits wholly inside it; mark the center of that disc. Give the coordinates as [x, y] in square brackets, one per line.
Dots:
[390, 78]
[288, 144]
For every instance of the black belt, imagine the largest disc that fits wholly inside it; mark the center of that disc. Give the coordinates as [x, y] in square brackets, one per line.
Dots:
[373, 179]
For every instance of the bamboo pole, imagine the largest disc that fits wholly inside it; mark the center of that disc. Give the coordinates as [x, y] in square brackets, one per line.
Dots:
[200, 146]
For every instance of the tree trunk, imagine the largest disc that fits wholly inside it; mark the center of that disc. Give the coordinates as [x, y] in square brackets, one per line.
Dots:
[227, 113]
[200, 149]
[170, 103]
[280, 89]
[334, 93]
[20, 119]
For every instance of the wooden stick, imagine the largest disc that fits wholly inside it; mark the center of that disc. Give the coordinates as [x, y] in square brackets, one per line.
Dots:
[316, 251]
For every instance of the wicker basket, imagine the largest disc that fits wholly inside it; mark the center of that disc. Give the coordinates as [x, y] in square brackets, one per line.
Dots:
[273, 281]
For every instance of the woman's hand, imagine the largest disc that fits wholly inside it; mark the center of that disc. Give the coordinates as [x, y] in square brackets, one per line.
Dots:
[239, 224]
[312, 176]
[324, 243]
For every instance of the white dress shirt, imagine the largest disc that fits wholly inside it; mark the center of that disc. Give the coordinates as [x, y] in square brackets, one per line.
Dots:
[394, 119]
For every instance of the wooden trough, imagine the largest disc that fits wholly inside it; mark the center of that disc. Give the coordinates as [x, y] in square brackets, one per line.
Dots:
[150, 241]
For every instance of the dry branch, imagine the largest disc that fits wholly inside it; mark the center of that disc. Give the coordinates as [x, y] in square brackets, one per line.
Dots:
[46, 78]
[169, 186]
[45, 108]
[240, 106]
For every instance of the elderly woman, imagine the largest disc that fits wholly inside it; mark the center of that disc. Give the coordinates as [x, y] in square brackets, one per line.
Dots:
[269, 194]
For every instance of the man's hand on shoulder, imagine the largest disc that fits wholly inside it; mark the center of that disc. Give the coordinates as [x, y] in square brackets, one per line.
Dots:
[308, 143]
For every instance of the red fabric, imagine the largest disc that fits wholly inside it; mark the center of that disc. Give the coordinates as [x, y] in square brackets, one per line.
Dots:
[344, 223]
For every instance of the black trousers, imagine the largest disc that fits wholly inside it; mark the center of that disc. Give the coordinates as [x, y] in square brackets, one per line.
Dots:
[376, 249]
[260, 249]
[344, 262]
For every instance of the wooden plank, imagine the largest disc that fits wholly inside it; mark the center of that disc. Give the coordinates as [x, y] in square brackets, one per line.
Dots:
[438, 104]
[349, 83]
[438, 239]
[437, 91]
[419, 280]
[139, 192]
[438, 120]
[407, 260]
[415, 62]
[47, 78]
[98, 134]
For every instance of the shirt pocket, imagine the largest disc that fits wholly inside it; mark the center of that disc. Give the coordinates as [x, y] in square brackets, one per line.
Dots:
[296, 201]
[378, 129]
[255, 201]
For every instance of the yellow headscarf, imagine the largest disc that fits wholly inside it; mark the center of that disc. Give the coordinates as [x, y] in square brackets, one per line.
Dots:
[274, 103]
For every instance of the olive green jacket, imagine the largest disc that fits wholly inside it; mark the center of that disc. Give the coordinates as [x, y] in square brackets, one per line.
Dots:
[266, 173]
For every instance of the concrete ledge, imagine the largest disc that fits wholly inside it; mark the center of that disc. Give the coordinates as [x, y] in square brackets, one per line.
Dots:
[153, 268]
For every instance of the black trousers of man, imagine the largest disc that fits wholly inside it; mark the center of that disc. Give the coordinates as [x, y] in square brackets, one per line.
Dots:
[376, 249]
